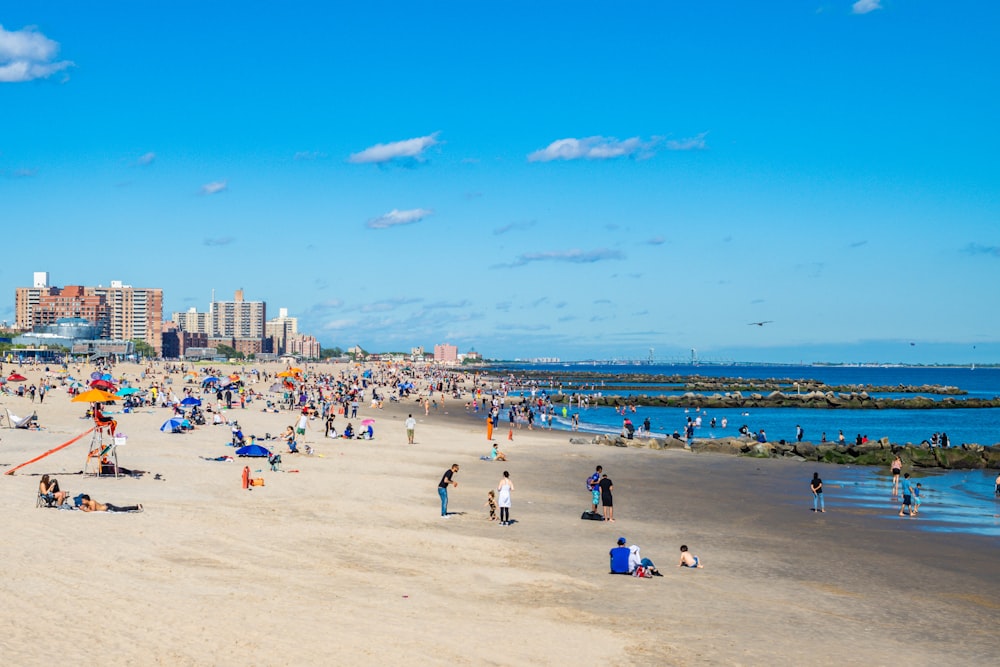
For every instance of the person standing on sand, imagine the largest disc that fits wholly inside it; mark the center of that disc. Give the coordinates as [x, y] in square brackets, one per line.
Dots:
[817, 488]
[489, 428]
[594, 486]
[446, 479]
[607, 501]
[897, 467]
[411, 425]
[503, 498]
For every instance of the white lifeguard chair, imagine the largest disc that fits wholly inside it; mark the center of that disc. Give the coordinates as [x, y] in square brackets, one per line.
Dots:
[102, 457]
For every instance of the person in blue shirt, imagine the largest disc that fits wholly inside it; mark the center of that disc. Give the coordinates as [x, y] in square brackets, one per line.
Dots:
[594, 486]
[907, 491]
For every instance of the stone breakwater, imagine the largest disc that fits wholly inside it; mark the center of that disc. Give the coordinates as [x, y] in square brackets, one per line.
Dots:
[777, 399]
[873, 453]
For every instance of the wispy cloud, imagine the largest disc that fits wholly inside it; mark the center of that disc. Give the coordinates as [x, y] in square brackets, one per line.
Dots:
[656, 240]
[980, 249]
[146, 159]
[695, 143]
[214, 188]
[464, 303]
[523, 327]
[219, 241]
[20, 173]
[28, 54]
[572, 256]
[407, 149]
[396, 217]
[308, 155]
[857, 244]
[512, 226]
[387, 305]
[865, 6]
[593, 148]
[337, 325]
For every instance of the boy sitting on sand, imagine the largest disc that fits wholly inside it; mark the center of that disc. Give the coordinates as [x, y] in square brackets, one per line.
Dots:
[687, 560]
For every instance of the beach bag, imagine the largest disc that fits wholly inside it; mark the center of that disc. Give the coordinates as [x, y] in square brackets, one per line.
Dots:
[642, 572]
[257, 481]
[592, 516]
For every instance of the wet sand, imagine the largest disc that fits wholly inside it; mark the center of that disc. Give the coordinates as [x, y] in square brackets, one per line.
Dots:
[347, 562]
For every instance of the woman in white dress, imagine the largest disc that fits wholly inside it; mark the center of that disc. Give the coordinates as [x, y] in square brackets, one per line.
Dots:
[503, 498]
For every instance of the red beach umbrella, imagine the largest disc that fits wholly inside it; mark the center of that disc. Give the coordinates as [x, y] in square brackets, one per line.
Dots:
[102, 384]
[16, 377]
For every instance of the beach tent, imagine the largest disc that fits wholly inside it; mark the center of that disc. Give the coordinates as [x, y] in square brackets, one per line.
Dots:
[253, 450]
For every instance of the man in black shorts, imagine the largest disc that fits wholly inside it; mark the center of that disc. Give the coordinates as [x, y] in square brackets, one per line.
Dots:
[606, 500]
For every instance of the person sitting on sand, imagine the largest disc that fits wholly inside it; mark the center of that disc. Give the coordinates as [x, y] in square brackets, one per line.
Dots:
[497, 455]
[289, 437]
[49, 489]
[635, 559]
[687, 559]
[349, 431]
[88, 505]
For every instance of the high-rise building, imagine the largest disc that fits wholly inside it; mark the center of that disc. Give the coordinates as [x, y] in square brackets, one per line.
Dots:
[238, 318]
[134, 313]
[280, 330]
[445, 352]
[193, 322]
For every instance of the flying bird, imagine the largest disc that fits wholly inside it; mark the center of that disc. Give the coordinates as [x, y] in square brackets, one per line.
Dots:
[760, 324]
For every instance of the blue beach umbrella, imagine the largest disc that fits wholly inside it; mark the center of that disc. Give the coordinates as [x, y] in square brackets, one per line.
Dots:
[253, 450]
[191, 400]
[175, 424]
[127, 391]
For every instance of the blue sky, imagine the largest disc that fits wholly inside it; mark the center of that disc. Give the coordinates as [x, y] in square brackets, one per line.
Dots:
[577, 180]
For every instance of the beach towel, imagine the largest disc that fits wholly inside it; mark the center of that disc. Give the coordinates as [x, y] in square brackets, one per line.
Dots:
[592, 516]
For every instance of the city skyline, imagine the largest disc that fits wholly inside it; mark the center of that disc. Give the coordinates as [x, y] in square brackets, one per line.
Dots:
[574, 181]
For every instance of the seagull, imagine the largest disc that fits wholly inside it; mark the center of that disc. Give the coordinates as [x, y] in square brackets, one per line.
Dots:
[760, 324]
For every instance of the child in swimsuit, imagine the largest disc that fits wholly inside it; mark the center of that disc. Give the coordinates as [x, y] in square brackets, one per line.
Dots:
[916, 499]
[491, 502]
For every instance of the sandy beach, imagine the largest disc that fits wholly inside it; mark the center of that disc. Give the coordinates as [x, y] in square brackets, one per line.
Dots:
[343, 558]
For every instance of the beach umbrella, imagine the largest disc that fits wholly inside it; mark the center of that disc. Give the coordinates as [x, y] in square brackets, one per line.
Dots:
[94, 396]
[210, 379]
[101, 384]
[234, 377]
[191, 400]
[367, 422]
[16, 377]
[174, 424]
[285, 374]
[253, 450]
[127, 391]
[96, 375]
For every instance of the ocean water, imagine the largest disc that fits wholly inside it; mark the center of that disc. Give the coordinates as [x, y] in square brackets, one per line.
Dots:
[953, 501]
[962, 425]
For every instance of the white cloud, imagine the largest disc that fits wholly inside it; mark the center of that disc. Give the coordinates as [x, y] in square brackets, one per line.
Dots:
[865, 6]
[592, 148]
[146, 159]
[695, 143]
[28, 54]
[396, 217]
[409, 148]
[213, 188]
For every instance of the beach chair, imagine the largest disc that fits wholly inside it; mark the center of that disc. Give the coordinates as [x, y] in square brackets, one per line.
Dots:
[45, 500]
[619, 560]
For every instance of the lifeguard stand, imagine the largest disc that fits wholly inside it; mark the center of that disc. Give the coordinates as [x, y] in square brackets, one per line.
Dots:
[102, 457]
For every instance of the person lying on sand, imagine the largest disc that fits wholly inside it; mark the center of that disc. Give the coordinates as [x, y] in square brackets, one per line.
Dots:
[88, 505]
